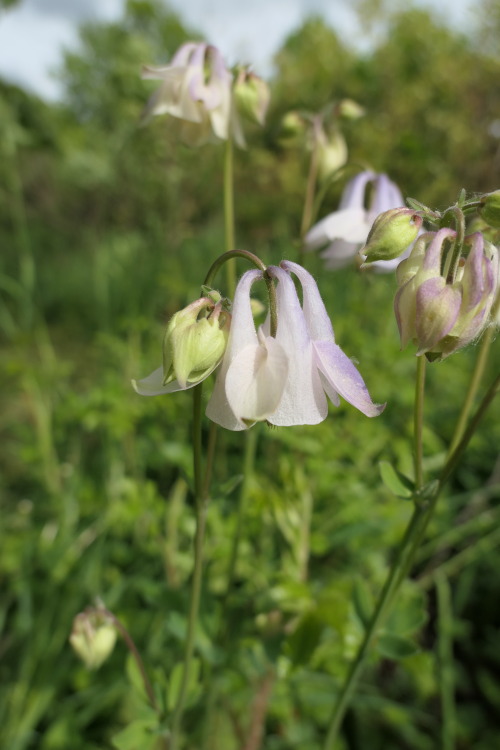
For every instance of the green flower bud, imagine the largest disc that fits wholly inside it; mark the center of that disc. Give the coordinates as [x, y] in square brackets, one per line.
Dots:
[293, 129]
[332, 153]
[93, 638]
[490, 208]
[251, 95]
[193, 346]
[391, 233]
[350, 109]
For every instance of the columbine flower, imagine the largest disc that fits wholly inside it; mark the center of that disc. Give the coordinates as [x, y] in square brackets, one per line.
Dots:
[196, 89]
[347, 229]
[93, 637]
[284, 380]
[441, 314]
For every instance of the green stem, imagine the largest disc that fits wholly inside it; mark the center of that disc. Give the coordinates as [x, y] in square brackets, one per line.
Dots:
[229, 215]
[445, 651]
[391, 584]
[477, 375]
[194, 604]
[308, 212]
[418, 422]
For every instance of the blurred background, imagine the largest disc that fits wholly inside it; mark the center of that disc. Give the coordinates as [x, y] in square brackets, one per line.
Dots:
[106, 229]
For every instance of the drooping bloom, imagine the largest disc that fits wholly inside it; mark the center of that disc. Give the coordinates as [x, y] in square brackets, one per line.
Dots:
[345, 231]
[284, 380]
[196, 89]
[441, 311]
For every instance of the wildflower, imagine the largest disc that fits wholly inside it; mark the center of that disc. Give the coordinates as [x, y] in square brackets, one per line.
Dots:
[439, 310]
[196, 89]
[347, 229]
[93, 637]
[193, 348]
[284, 380]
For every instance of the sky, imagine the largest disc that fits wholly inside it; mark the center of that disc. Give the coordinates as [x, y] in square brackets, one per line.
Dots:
[33, 33]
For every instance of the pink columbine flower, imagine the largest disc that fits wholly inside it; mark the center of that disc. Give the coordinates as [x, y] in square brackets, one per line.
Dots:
[284, 380]
[346, 229]
[196, 89]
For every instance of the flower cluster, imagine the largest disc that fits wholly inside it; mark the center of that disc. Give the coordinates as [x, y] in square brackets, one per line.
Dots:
[283, 379]
[345, 231]
[197, 89]
[444, 299]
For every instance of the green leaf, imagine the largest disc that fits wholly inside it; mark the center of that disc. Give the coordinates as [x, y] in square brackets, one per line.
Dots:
[362, 600]
[410, 611]
[175, 680]
[395, 646]
[139, 735]
[396, 482]
[304, 639]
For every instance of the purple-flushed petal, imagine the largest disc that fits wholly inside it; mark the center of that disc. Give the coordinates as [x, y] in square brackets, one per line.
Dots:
[152, 385]
[386, 195]
[344, 378]
[303, 400]
[184, 54]
[438, 306]
[318, 323]
[432, 258]
[354, 192]
[473, 279]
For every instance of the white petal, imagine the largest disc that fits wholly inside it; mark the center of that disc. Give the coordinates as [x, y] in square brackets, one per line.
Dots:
[303, 400]
[241, 335]
[317, 320]
[344, 378]
[354, 192]
[152, 385]
[255, 381]
[347, 224]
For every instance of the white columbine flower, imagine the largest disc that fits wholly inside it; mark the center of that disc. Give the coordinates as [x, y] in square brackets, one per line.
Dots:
[284, 380]
[196, 89]
[345, 231]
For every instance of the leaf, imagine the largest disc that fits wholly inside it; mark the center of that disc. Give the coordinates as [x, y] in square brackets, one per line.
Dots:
[134, 676]
[395, 646]
[139, 735]
[304, 639]
[410, 611]
[362, 600]
[175, 680]
[397, 483]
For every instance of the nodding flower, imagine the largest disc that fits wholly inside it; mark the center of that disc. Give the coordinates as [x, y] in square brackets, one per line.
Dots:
[345, 231]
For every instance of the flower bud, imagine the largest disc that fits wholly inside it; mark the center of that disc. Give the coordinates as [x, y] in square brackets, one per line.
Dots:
[490, 208]
[391, 233]
[93, 637]
[251, 95]
[293, 129]
[442, 314]
[350, 110]
[192, 346]
[332, 153]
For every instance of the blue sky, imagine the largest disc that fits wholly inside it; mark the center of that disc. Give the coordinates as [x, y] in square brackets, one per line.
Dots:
[33, 33]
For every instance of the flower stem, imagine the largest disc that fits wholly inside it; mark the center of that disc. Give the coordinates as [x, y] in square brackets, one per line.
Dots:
[477, 375]
[445, 650]
[418, 422]
[229, 215]
[201, 496]
[308, 212]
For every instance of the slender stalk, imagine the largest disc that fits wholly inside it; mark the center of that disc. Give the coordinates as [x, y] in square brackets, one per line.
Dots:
[418, 422]
[194, 604]
[445, 651]
[308, 212]
[391, 584]
[475, 381]
[229, 215]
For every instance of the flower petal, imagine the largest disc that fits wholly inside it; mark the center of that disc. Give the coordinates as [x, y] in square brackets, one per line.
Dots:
[255, 381]
[346, 224]
[152, 385]
[303, 400]
[344, 378]
[317, 320]
[438, 305]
